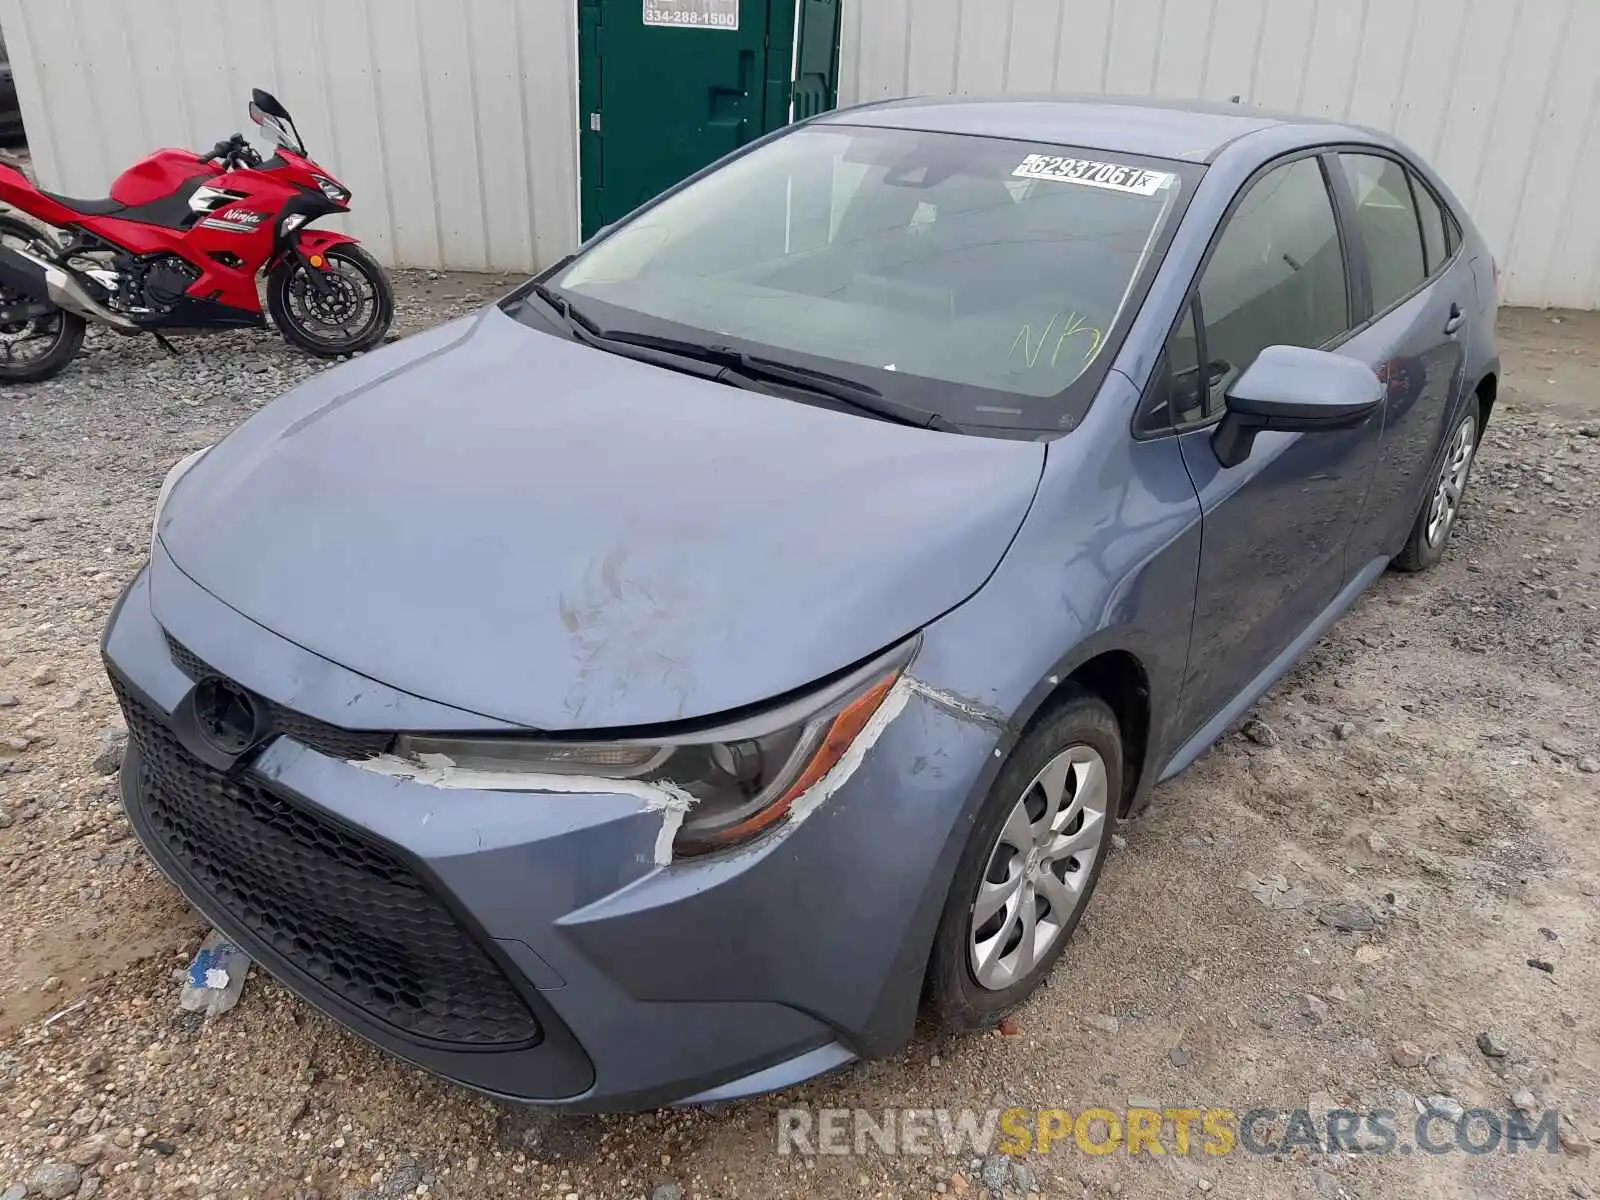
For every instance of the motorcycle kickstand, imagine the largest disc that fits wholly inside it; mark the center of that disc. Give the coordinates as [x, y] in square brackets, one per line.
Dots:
[166, 345]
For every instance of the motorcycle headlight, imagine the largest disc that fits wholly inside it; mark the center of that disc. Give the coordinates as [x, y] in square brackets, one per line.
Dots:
[330, 189]
[743, 777]
[179, 470]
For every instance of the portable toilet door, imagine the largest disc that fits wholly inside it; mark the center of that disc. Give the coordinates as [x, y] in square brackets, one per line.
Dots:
[667, 86]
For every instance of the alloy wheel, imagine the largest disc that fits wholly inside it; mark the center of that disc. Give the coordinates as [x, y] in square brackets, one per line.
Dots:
[25, 342]
[345, 314]
[1039, 868]
[1452, 482]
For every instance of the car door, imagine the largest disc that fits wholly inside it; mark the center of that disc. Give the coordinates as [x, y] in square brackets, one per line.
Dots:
[1275, 526]
[1420, 289]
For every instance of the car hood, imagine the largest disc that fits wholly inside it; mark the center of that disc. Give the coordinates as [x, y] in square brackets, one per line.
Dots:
[536, 531]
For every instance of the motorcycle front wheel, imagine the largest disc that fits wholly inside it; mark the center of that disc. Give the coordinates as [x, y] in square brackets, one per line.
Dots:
[353, 315]
[37, 346]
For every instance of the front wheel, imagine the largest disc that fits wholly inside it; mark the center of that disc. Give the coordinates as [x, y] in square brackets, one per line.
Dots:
[1030, 864]
[353, 315]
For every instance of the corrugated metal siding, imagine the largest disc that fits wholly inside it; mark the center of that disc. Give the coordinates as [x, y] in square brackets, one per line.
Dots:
[1501, 96]
[453, 121]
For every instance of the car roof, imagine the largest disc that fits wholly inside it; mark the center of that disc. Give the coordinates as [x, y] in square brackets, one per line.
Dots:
[1195, 130]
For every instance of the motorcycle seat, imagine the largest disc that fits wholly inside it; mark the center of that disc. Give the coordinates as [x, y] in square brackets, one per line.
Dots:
[89, 208]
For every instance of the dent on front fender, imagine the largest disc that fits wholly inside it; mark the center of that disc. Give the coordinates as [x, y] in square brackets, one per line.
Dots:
[1105, 561]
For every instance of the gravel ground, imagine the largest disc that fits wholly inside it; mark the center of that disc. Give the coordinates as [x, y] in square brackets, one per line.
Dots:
[1430, 767]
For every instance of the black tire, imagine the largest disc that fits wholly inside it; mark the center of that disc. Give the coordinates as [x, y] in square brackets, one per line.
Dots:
[955, 996]
[52, 340]
[1422, 551]
[287, 286]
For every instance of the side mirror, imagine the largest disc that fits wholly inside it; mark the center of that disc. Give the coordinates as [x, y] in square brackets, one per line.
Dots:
[268, 104]
[1296, 390]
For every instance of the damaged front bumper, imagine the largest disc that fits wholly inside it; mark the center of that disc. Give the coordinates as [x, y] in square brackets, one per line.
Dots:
[534, 945]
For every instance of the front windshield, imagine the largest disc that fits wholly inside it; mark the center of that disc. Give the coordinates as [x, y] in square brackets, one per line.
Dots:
[977, 277]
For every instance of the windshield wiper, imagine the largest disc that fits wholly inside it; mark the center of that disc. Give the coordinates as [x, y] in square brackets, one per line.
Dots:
[742, 369]
[859, 396]
[576, 321]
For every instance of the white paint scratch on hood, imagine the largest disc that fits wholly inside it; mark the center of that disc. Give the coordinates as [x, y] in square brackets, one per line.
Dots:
[440, 771]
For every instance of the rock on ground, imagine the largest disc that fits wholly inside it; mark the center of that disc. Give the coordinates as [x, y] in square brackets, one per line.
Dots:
[54, 1181]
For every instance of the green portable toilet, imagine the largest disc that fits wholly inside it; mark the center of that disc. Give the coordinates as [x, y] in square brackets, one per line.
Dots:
[667, 86]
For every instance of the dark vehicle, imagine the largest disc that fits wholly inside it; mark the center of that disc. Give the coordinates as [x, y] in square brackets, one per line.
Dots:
[179, 244]
[656, 686]
[10, 109]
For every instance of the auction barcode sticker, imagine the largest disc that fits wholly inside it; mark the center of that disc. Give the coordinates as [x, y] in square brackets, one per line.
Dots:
[1086, 171]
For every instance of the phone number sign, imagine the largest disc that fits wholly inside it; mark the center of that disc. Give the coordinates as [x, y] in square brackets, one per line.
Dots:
[692, 14]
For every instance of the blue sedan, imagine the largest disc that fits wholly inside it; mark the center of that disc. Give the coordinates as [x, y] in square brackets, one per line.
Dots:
[657, 686]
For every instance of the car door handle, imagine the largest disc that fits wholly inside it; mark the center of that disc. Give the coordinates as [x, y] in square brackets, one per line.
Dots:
[1454, 323]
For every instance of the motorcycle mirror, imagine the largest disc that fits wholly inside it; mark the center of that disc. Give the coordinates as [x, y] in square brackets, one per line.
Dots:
[275, 120]
[268, 104]
[280, 129]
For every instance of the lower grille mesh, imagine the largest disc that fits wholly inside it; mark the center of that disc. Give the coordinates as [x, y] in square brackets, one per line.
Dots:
[339, 908]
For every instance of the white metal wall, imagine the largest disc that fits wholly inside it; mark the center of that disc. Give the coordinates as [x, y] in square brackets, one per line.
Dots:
[1502, 97]
[452, 120]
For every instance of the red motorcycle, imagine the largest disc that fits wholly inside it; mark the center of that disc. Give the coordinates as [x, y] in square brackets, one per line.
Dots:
[178, 245]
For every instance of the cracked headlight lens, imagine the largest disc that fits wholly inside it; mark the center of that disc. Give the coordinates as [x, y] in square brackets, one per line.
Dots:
[740, 779]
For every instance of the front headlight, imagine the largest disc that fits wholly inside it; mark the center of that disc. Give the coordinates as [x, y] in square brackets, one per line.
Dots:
[743, 777]
[179, 470]
[332, 190]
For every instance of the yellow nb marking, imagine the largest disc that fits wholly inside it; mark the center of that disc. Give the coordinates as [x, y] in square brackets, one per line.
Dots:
[1070, 328]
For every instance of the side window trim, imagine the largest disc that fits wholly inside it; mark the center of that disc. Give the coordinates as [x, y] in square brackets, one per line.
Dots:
[1429, 270]
[1332, 181]
[1143, 428]
[1161, 372]
[1358, 277]
[1357, 299]
[1452, 232]
[1202, 359]
[1453, 235]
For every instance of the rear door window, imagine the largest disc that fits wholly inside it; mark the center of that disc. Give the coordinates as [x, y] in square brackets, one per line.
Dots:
[1434, 241]
[1386, 220]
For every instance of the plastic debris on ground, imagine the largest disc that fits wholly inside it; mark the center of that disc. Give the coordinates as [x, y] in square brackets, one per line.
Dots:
[215, 978]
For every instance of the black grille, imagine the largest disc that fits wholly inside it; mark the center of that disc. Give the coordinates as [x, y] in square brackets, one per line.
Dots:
[186, 660]
[308, 731]
[338, 907]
